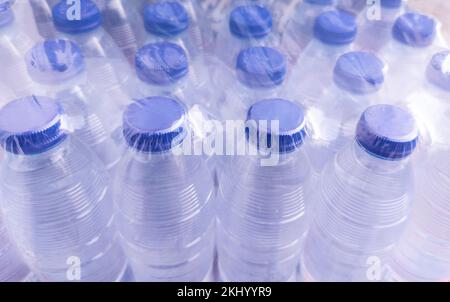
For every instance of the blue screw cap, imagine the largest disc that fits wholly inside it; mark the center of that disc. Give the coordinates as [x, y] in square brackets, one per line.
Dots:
[387, 132]
[261, 67]
[55, 61]
[250, 22]
[359, 72]
[66, 20]
[31, 125]
[335, 27]
[415, 30]
[165, 18]
[155, 124]
[161, 63]
[291, 131]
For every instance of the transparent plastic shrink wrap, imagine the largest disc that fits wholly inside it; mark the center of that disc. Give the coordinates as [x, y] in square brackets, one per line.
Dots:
[58, 69]
[423, 254]
[14, 42]
[262, 210]
[57, 199]
[106, 65]
[363, 200]
[415, 38]
[334, 32]
[358, 82]
[165, 197]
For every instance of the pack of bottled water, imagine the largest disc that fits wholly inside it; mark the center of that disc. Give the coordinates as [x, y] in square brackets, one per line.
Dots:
[223, 140]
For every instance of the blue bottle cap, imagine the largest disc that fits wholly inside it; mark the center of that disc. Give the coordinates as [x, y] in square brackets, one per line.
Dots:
[66, 20]
[250, 22]
[54, 61]
[415, 30]
[391, 3]
[387, 132]
[31, 125]
[155, 124]
[165, 18]
[320, 2]
[6, 13]
[359, 72]
[261, 67]
[291, 130]
[161, 63]
[335, 27]
[438, 71]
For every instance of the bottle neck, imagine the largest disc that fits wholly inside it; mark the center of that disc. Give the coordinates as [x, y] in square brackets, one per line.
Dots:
[23, 161]
[374, 163]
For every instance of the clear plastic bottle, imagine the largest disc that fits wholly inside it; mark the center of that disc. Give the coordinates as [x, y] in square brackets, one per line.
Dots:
[58, 69]
[262, 209]
[423, 253]
[248, 25]
[259, 73]
[334, 33]
[164, 199]
[428, 102]
[411, 47]
[299, 31]
[105, 63]
[358, 78]
[173, 21]
[56, 201]
[363, 200]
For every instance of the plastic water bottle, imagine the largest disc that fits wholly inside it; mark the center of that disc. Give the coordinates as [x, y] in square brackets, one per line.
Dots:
[259, 73]
[12, 267]
[56, 201]
[411, 47]
[171, 21]
[106, 64]
[334, 33]
[262, 209]
[423, 253]
[164, 200]
[363, 201]
[376, 24]
[299, 31]
[58, 69]
[247, 26]
[14, 42]
[428, 102]
[357, 81]
[43, 18]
